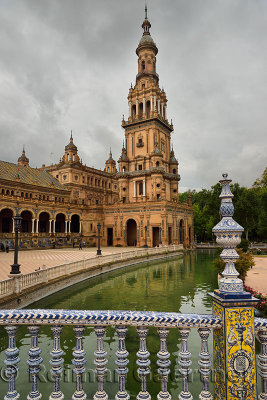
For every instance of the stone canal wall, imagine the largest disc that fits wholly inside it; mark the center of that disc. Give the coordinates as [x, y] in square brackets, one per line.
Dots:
[24, 289]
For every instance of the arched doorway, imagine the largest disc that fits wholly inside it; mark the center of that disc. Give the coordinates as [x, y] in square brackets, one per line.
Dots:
[6, 222]
[181, 231]
[75, 224]
[26, 222]
[44, 222]
[60, 223]
[131, 233]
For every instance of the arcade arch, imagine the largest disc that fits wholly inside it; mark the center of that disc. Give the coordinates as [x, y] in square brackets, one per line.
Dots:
[131, 228]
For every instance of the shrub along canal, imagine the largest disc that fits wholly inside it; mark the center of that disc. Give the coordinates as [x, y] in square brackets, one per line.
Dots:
[179, 285]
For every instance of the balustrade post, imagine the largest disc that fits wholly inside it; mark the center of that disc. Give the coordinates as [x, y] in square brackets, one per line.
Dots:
[34, 362]
[185, 362]
[143, 363]
[11, 362]
[204, 364]
[56, 363]
[79, 362]
[262, 336]
[122, 363]
[234, 343]
[100, 362]
[163, 364]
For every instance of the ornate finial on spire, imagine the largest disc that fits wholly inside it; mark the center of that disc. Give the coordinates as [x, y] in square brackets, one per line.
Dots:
[123, 117]
[145, 11]
[131, 85]
[23, 149]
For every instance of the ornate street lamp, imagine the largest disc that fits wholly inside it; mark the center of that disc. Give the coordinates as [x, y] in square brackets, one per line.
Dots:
[160, 242]
[146, 237]
[15, 267]
[98, 252]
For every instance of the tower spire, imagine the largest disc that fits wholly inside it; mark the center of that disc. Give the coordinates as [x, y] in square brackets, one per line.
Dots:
[145, 11]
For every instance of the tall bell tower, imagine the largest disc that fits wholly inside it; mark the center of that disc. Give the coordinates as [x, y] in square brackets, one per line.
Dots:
[148, 169]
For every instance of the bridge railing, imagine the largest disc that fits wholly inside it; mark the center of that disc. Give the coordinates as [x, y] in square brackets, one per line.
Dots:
[120, 320]
[17, 283]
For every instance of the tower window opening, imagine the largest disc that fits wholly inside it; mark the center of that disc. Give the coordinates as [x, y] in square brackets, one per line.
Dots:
[143, 65]
[147, 109]
[140, 167]
[140, 188]
[174, 171]
[124, 200]
[143, 86]
[157, 164]
[134, 111]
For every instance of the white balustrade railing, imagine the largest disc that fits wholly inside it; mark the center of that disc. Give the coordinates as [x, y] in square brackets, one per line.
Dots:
[18, 283]
[80, 320]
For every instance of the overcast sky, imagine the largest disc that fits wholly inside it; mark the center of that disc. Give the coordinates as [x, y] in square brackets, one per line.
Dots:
[67, 65]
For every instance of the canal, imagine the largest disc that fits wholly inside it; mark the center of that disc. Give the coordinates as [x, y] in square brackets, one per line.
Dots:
[179, 285]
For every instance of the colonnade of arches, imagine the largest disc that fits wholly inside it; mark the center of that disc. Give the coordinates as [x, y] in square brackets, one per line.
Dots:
[43, 223]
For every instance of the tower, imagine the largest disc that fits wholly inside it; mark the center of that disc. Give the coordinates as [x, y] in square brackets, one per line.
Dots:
[148, 170]
[71, 153]
[23, 160]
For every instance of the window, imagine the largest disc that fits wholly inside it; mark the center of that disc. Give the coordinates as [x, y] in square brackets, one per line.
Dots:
[158, 196]
[158, 185]
[124, 189]
[143, 65]
[140, 185]
[174, 171]
[157, 164]
[143, 86]
[174, 190]
[96, 202]
[56, 176]
[64, 177]
[124, 200]
[76, 177]
[91, 227]
[140, 167]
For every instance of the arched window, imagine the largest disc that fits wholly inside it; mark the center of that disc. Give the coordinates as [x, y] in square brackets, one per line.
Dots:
[140, 185]
[174, 171]
[147, 109]
[134, 111]
[143, 65]
[157, 164]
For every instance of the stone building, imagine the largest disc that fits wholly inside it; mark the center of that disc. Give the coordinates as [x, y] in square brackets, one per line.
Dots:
[137, 204]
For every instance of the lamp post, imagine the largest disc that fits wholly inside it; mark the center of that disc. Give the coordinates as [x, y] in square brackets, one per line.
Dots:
[160, 242]
[15, 267]
[145, 237]
[98, 252]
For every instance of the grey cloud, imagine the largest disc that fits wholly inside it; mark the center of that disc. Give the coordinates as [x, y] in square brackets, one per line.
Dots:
[68, 65]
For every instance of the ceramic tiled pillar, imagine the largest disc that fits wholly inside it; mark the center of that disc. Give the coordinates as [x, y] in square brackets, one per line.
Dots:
[234, 343]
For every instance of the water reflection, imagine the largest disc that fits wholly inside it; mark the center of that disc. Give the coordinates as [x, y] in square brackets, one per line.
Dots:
[179, 285]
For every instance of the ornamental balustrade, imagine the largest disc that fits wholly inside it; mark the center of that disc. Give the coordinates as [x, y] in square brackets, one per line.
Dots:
[232, 323]
[18, 283]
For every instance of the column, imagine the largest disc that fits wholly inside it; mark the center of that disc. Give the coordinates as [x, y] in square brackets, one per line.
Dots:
[158, 106]
[33, 225]
[234, 342]
[130, 109]
[165, 108]
[144, 187]
[134, 188]
[13, 225]
[50, 223]
[162, 109]
[155, 103]
[144, 105]
[80, 229]
[69, 226]
[37, 226]
[54, 225]
[137, 111]
[66, 226]
[151, 103]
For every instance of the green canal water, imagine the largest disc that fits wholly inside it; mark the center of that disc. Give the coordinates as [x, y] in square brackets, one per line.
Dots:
[179, 285]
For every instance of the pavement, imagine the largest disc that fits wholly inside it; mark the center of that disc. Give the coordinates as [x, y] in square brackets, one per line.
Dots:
[257, 276]
[30, 260]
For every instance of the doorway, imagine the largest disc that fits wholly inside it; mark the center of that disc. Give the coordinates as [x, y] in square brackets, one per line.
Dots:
[155, 236]
[110, 237]
[169, 235]
[131, 233]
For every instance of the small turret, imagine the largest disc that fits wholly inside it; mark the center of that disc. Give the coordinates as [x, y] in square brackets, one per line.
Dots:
[23, 160]
[110, 165]
[71, 152]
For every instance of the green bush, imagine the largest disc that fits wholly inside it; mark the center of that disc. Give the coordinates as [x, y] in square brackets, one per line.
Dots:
[244, 244]
[242, 265]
